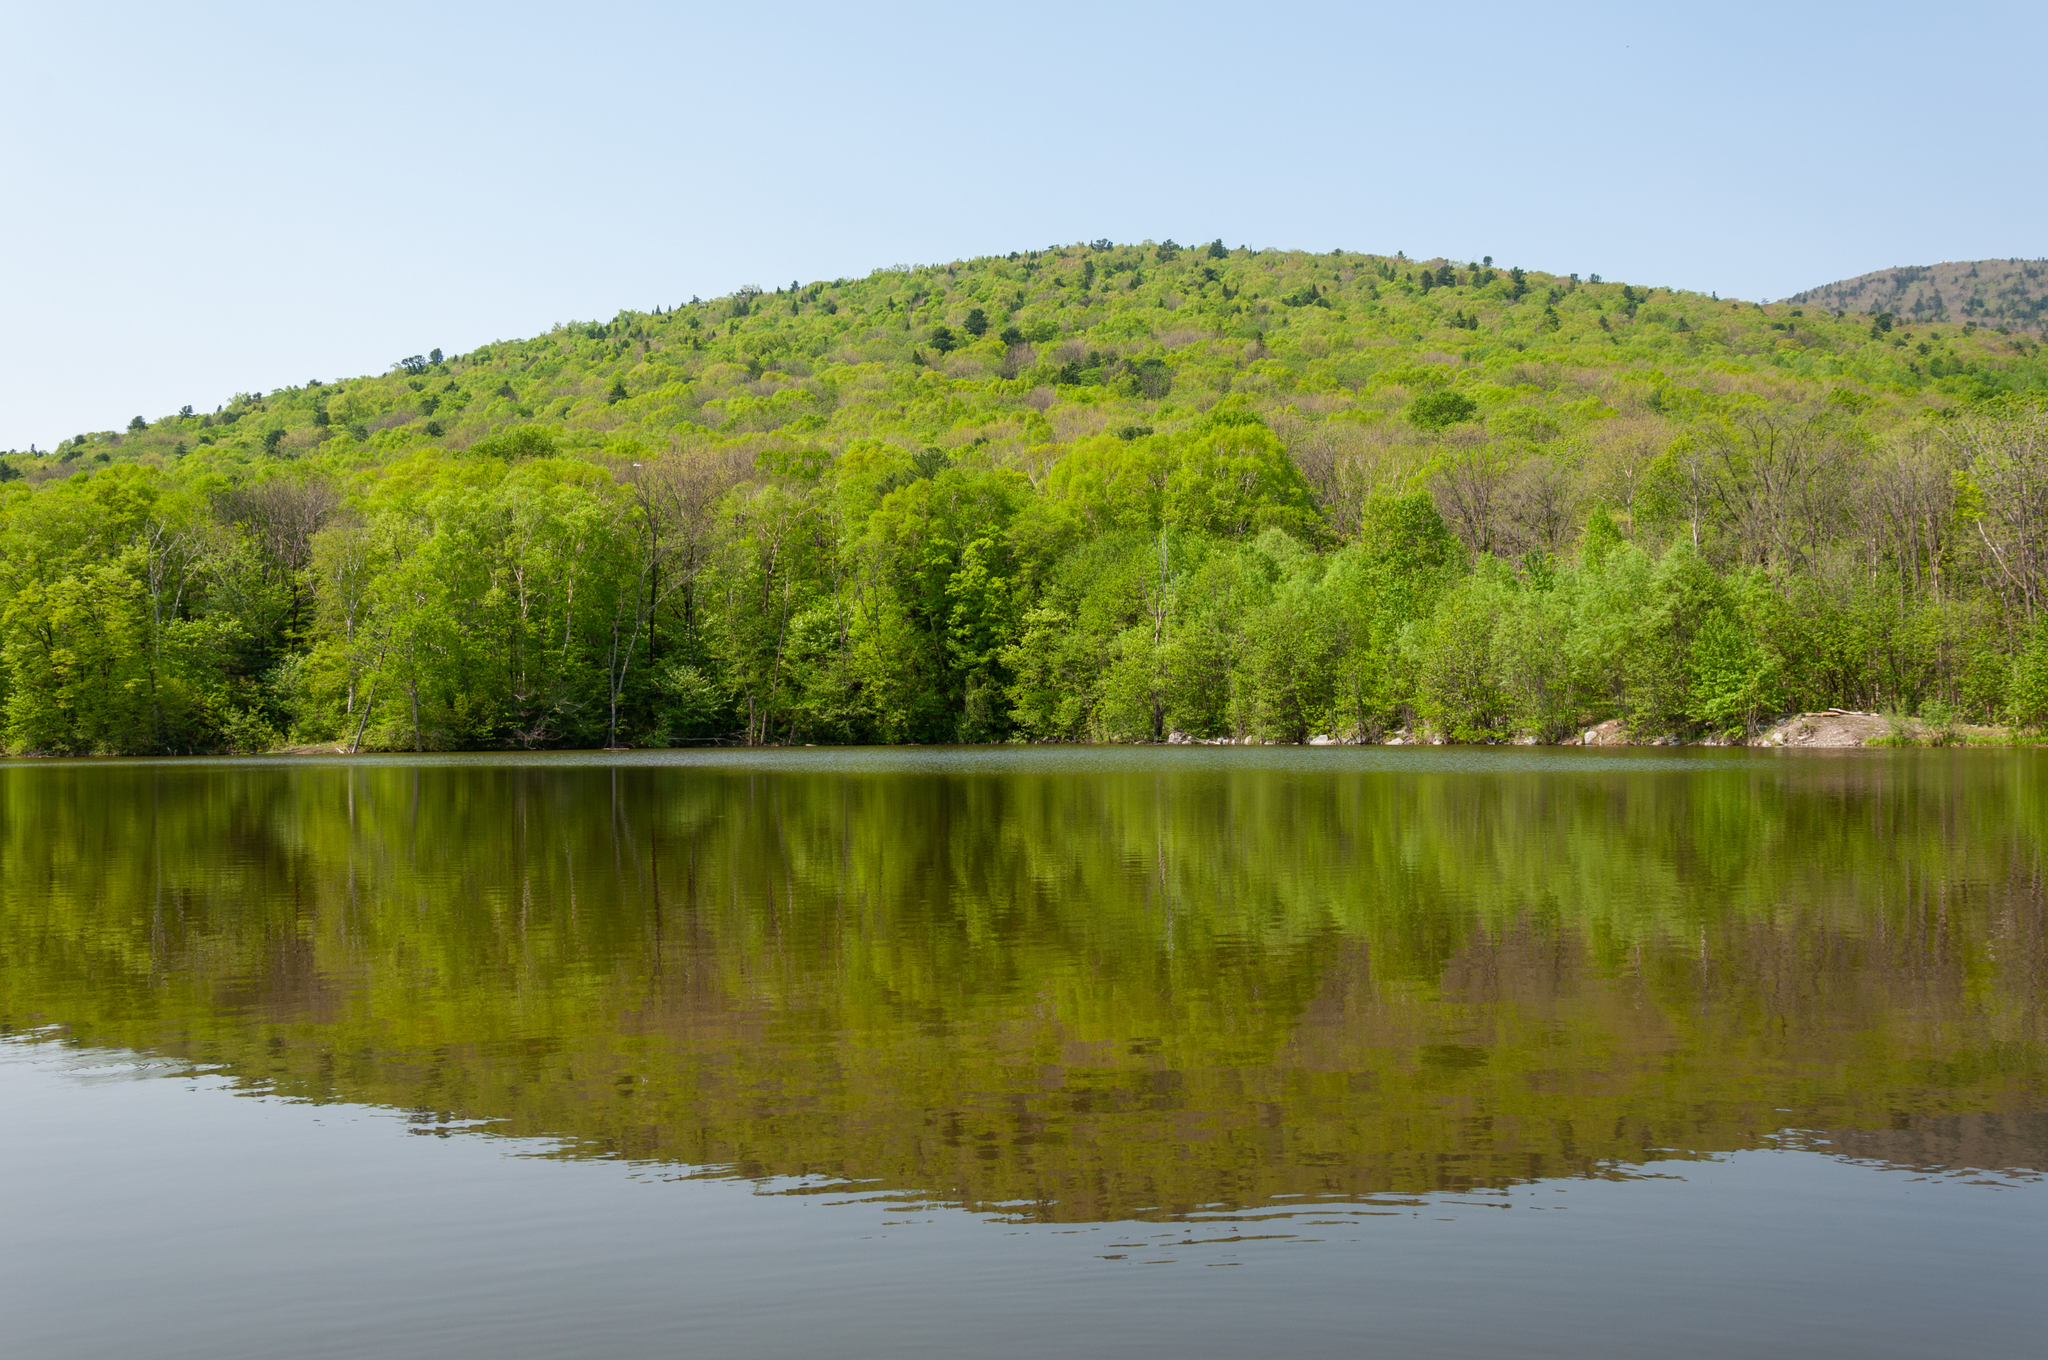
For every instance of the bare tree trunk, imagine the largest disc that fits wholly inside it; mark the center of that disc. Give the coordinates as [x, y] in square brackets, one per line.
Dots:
[368, 703]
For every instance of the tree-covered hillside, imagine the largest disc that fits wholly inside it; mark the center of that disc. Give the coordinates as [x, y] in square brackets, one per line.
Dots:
[1098, 491]
[2010, 293]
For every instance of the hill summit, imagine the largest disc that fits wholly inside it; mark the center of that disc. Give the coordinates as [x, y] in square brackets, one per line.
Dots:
[2011, 293]
[1034, 349]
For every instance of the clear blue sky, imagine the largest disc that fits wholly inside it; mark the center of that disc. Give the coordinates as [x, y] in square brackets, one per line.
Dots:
[210, 198]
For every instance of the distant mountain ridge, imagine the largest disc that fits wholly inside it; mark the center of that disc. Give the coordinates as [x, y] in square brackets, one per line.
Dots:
[2011, 293]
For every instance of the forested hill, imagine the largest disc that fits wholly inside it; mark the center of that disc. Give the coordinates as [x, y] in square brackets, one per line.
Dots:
[1099, 491]
[2008, 293]
[1357, 335]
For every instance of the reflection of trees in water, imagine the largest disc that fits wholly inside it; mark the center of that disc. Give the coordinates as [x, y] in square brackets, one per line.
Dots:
[2010, 1144]
[1083, 993]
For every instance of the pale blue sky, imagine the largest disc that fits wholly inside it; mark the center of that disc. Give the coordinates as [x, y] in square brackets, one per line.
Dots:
[210, 198]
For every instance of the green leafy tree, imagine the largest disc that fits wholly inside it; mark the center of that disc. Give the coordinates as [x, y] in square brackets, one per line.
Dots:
[74, 652]
[1441, 409]
[1460, 690]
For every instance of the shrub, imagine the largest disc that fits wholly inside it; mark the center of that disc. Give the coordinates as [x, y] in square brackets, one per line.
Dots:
[527, 441]
[1440, 410]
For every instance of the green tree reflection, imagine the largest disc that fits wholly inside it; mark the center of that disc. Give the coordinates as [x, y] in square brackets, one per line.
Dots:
[1079, 987]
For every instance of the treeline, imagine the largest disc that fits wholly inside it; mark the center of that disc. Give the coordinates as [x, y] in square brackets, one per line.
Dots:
[1101, 492]
[1189, 581]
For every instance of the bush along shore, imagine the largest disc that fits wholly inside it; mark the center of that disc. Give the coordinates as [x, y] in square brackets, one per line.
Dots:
[1098, 492]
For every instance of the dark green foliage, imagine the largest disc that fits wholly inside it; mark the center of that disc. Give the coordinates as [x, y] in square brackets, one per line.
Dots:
[804, 464]
[976, 323]
[1437, 410]
[1149, 378]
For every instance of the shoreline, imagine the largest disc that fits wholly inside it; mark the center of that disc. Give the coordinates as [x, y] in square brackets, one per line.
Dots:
[1824, 729]
[1832, 728]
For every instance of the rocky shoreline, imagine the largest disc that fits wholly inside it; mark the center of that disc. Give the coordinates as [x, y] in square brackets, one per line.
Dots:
[1831, 727]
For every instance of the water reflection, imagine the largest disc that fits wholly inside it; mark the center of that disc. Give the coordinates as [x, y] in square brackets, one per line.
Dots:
[1078, 986]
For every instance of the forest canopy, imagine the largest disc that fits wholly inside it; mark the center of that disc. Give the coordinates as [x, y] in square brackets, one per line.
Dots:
[1093, 492]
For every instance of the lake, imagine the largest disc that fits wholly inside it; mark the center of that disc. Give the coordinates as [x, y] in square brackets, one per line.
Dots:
[1027, 1052]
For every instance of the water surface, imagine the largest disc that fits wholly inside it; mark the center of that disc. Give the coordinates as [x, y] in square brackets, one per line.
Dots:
[1000, 1052]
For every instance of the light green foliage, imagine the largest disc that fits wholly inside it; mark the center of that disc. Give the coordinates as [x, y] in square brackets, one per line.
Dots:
[1092, 492]
[2029, 692]
[1462, 691]
[1737, 679]
[74, 651]
[1234, 478]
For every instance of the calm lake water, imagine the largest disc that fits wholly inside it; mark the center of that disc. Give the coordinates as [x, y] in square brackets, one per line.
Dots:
[1028, 1052]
